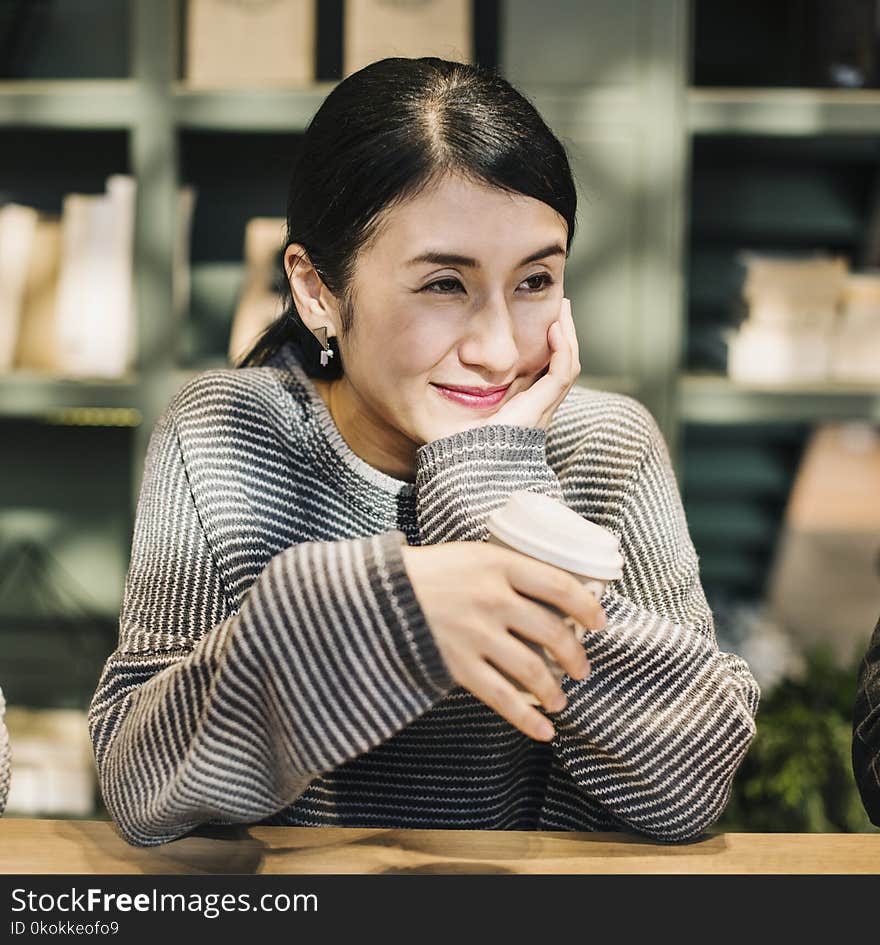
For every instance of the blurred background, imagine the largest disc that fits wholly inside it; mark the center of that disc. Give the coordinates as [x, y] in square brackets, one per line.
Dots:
[726, 272]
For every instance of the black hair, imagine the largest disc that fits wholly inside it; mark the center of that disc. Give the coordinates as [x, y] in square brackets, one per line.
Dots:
[384, 134]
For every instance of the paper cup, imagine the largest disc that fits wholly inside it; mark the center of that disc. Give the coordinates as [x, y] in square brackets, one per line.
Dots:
[546, 529]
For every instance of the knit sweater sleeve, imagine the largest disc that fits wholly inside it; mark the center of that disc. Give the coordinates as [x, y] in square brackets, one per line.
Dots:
[866, 730]
[464, 477]
[657, 731]
[208, 713]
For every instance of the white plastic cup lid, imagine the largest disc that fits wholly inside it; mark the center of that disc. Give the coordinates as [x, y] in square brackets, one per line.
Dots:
[545, 528]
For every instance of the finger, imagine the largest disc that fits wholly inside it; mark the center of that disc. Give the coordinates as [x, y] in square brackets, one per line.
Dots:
[559, 369]
[525, 667]
[566, 324]
[542, 627]
[551, 386]
[490, 687]
[563, 328]
[567, 321]
[548, 583]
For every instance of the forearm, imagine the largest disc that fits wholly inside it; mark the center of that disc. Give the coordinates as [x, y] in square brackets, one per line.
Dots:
[462, 478]
[657, 731]
[329, 656]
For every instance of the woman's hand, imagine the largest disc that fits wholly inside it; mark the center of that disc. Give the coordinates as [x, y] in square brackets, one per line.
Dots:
[535, 407]
[473, 595]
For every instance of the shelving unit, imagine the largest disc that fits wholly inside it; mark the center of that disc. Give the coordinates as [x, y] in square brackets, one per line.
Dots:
[647, 149]
[770, 168]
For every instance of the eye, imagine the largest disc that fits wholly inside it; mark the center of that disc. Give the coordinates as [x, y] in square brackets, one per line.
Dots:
[547, 280]
[545, 277]
[439, 282]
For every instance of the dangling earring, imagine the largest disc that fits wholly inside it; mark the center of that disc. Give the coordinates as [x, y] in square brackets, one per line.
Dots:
[326, 353]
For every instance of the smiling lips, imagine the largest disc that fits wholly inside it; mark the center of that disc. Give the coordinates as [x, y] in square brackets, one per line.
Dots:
[472, 396]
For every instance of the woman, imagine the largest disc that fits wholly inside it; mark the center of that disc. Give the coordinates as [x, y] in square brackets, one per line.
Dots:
[313, 628]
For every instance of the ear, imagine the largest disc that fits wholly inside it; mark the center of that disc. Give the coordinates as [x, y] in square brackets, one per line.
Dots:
[315, 303]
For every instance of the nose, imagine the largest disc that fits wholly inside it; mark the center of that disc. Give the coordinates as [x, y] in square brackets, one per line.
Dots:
[490, 342]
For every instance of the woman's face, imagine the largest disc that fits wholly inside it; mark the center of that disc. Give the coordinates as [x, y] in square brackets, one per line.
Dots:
[478, 318]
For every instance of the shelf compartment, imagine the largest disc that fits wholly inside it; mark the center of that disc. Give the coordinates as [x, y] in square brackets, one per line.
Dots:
[795, 195]
[797, 191]
[736, 484]
[38, 166]
[66, 40]
[215, 290]
[237, 176]
[69, 491]
[750, 523]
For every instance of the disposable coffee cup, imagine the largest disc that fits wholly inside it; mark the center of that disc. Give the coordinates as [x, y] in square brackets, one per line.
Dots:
[546, 529]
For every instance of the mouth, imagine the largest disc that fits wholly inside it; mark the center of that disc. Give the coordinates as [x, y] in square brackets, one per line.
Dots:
[471, 397]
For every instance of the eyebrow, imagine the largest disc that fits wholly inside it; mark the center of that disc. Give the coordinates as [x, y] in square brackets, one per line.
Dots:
[452, 259]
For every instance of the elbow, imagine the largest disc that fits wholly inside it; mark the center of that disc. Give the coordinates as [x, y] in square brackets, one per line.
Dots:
[696, 796]
[130, 812]
[710, 784]
[138, 811]
[136, 835]
[150, 807]
[684, 827]
[125, 802]
[685, 823]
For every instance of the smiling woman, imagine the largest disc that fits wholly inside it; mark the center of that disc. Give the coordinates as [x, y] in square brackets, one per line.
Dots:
[315, 629]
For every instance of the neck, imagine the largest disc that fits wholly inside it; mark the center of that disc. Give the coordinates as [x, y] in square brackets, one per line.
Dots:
[367, 436]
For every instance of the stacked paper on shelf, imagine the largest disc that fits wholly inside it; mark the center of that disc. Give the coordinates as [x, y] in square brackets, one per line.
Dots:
[855, 349]
[18, 225]
[375, 29]
[792, 309]
[234, 45]
[37, 348]
[260, 302]
[95, 320]
[53, 770]
[66, 283]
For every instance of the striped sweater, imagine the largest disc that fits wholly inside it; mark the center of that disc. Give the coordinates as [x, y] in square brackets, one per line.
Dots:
[274, 665]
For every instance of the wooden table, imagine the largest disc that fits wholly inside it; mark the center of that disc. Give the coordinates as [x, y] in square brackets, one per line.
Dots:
[71, 846]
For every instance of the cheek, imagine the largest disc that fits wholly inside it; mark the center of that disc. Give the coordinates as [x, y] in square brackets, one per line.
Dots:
[421, 343]
[533, 344]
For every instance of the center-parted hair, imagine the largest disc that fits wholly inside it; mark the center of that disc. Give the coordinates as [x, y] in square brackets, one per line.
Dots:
[383, 135]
